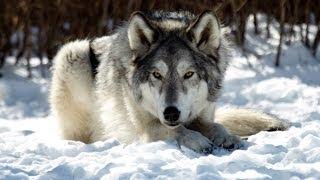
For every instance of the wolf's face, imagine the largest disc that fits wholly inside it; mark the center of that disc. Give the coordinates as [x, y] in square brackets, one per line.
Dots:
[176, 71]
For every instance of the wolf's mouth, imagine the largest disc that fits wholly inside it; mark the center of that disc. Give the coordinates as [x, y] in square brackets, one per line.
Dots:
[172, 124]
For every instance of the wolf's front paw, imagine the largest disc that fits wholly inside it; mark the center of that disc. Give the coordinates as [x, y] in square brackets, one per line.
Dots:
[221, 138]
[195, 141]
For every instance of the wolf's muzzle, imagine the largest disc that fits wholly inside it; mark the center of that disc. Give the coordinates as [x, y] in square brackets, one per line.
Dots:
[171, 114]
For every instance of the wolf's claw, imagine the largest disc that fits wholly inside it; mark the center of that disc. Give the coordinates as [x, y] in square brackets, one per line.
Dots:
[207, 151]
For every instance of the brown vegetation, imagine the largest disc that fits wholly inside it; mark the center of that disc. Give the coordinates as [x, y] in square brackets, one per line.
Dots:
[40, 27]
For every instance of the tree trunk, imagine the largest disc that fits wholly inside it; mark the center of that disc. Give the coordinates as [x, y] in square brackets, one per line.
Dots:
[28, 58]
[301, 33]
[2, 59]
[268, 25]
[294, 20]
[291, 33]
[307, 41]
[240, 21]
[4, 52]
[255, 22]
[24, 44]
[315, 43]
[242, 28]
[282, 9]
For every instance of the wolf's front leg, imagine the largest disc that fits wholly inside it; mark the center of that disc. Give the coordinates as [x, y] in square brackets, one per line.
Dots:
[194, 140]
[185, 137]
[216, 133]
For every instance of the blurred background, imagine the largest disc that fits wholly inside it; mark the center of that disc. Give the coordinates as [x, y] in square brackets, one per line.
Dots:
[37, 28]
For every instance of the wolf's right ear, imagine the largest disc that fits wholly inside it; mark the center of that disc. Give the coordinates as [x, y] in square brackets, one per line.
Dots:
[140, 33]
[205, 33]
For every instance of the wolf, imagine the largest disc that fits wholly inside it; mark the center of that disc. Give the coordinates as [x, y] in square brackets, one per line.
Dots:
[157, 77]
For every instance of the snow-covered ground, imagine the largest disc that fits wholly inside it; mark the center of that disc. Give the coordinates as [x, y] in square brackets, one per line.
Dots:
[30, 147]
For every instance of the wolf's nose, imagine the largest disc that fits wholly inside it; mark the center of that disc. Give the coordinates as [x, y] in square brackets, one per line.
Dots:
[171, 113]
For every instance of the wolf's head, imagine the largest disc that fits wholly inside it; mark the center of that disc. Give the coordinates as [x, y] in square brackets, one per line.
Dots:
[178, 63]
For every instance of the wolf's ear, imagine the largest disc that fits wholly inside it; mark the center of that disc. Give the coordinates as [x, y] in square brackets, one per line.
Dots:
[140, 33]
[204, 32]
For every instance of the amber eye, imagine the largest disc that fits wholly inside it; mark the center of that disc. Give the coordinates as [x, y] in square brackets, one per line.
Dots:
[157, 75]
[188, 75]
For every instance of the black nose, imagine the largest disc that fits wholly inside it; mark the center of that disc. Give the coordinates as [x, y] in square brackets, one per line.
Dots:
[171, 113]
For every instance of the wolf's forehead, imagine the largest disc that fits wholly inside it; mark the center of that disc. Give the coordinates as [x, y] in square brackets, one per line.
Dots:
[161, 66]
[177, 56]
[183, 66]
[172, 58]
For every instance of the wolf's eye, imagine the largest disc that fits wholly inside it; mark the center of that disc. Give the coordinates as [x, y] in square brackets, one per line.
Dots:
[157, 75]
[188, 75]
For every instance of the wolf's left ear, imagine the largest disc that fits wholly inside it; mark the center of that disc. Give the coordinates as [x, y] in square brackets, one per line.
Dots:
[140, 33]
[204, 32]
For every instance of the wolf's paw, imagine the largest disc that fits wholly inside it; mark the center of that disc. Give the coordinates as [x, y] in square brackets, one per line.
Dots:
[221, 138]
[195, 141]
[227, 141]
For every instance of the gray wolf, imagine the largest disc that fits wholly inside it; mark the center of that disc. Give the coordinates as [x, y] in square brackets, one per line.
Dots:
[156, 78]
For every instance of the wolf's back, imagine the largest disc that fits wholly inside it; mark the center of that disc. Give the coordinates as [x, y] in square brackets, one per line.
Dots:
[246, 122]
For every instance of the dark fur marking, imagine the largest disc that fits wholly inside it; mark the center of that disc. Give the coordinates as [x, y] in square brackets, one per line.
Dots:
[143, 38]
[171, 50]
[276, 129]
[171, 92]
[93, 61]
[172, 95]
[215, 59]
[205, 35]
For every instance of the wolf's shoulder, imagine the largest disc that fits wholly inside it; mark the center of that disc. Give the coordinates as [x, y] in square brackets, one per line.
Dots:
[102, 44]
[73, 52]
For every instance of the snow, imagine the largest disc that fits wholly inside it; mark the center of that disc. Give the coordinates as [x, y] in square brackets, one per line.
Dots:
[31, 148]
